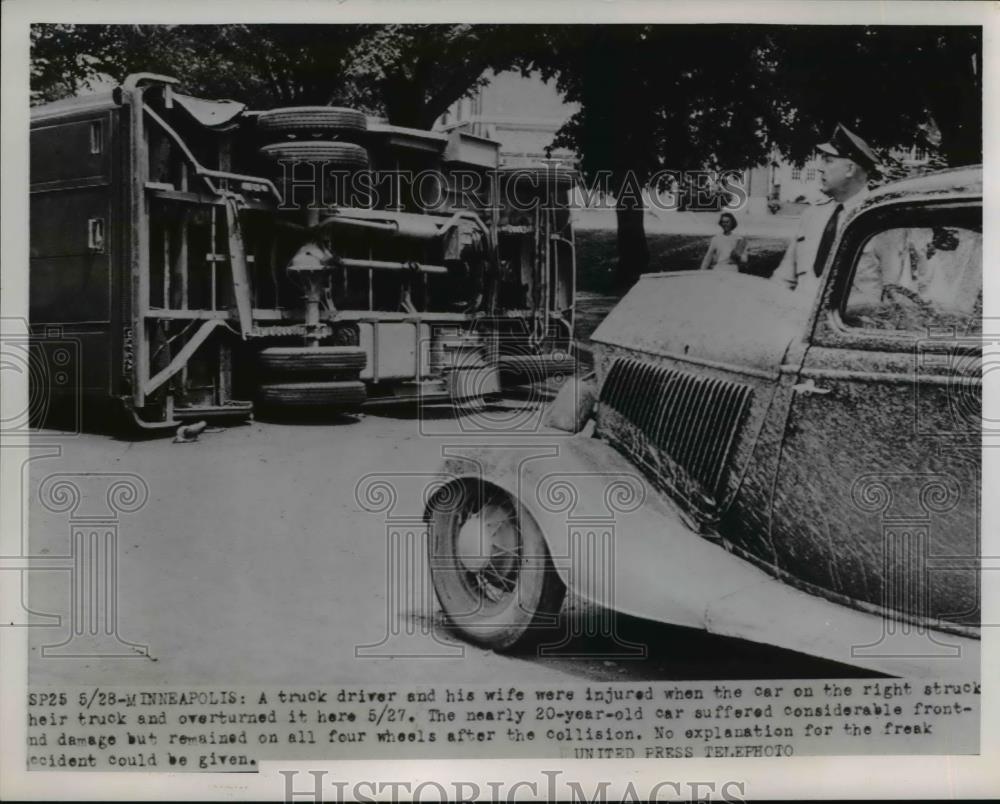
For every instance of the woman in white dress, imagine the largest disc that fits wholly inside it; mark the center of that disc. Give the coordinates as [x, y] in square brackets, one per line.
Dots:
[727, 251]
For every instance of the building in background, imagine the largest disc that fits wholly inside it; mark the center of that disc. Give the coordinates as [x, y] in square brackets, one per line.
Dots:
[522, 113]
[790, 183]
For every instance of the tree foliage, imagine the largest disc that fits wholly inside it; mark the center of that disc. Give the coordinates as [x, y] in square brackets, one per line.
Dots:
[687, 95]
[726, 97]
[262, 65]
[896, 85]
[723, 96]
[409, 73]
[650, 97]
[658, 98]
[413, 73]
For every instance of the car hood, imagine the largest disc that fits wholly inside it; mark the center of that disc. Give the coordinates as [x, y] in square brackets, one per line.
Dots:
[733, 319]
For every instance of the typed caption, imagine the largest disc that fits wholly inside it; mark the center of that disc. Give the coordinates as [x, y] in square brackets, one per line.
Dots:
[218, 730]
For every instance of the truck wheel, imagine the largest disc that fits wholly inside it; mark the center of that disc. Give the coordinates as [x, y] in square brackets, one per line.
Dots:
[311, 120]
[342, 395]
[334, 362]
[491, 568]
[336, 154]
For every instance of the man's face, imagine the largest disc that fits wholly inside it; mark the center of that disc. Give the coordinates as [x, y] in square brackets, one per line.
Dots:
[834, 173]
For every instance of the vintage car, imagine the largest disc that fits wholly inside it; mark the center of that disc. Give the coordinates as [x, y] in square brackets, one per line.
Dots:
[796, 469]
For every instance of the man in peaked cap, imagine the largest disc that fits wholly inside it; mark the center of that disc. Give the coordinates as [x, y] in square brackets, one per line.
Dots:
[847, 145]
[847, 162]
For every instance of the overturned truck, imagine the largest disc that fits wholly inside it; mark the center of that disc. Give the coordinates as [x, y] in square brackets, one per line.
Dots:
[207, 258]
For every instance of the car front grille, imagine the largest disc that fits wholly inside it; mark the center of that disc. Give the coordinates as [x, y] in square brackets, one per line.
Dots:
[679, 426]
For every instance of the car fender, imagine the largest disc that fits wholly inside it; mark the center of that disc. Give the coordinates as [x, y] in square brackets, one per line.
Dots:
[598, 516]
[617, 541]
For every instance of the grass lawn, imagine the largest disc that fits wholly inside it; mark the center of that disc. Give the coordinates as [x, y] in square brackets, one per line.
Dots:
[597, 255]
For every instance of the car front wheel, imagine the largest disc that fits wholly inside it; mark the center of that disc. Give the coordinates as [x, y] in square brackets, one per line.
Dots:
[491, 568]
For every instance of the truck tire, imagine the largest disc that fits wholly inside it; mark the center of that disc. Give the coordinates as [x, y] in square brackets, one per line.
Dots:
[310, 120]
[491, 568]
[332, 362]
[336, 154]
[343, 395]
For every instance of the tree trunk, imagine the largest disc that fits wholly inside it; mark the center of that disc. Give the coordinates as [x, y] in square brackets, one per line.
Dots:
[961, 133]
[404, 104]
[633, 251]
[956, 104]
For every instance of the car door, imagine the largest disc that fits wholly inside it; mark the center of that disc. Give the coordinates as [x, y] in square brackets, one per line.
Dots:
[876, 496]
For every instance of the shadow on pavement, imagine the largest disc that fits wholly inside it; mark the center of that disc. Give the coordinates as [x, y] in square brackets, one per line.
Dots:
[670, 653]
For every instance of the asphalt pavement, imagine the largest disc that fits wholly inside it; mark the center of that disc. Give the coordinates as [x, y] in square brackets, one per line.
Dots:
[267, 553]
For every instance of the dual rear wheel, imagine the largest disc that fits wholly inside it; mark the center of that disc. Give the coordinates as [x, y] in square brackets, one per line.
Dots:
[322, 136]
[319, 377]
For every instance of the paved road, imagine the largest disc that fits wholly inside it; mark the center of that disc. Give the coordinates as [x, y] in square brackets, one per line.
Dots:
[255, 560]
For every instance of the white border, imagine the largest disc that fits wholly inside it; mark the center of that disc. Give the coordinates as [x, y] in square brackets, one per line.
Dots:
[799, 778]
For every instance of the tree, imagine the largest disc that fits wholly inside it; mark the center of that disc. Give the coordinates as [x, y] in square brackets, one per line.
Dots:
[897, 85]
[654, 99]
[413, 73]
[651, 97]
[409, 73]
[262, 65]
[685, 97]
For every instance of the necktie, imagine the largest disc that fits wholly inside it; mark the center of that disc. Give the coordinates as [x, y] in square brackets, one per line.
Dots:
[826, 240]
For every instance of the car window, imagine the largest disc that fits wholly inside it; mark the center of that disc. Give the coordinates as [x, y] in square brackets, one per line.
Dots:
[915, 279]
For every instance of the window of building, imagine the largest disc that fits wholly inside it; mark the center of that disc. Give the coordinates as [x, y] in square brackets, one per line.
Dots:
[796, 174]
[810, 174]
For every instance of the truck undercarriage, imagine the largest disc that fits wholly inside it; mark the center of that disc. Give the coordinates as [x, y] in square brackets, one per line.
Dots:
[289, 258]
